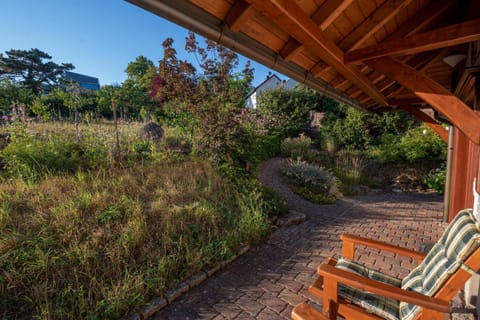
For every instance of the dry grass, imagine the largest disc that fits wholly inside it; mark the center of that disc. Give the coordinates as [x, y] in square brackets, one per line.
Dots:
[97, 244]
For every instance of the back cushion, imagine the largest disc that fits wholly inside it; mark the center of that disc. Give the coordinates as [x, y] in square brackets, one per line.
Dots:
[458, 241]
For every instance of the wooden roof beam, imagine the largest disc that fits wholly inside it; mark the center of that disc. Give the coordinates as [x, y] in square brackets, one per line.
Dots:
[425, 18]
[429, 121]
[323, 17]
[432, 93]
[293, 20]
[418, 62]
[405, 102]
[238, 15]
[439, 38]
[291, 49]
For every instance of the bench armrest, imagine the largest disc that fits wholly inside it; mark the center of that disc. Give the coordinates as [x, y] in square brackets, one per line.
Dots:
[349, 241]
[332, 276]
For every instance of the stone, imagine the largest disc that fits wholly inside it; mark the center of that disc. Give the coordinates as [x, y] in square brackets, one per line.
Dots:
[292, 218]
[153, 131]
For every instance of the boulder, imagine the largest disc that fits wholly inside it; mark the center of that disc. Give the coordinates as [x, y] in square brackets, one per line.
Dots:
[153, 131]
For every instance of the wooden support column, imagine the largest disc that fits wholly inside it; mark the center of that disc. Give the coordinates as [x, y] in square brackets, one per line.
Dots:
[465, 165]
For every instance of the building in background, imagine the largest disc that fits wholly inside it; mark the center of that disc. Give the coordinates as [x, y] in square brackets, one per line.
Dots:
[271, 82]
[84, 81]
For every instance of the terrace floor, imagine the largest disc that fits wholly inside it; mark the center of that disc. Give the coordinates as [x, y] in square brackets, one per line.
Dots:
[269, 280]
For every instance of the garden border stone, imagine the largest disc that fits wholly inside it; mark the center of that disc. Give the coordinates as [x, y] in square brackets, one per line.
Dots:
[163, 301]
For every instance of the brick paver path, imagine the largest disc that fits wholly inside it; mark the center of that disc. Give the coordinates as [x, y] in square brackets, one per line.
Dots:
[269, 280]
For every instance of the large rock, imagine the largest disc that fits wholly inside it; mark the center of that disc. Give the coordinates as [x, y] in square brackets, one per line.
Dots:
[153, 131]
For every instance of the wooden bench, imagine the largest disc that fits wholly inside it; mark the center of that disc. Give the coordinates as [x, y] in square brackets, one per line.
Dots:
[304, 311]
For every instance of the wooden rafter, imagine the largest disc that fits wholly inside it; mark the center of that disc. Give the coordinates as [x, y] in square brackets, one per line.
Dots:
[405, 102]
[323, 17]
[388, 10]
[422, 20]
[429, 121]
[318, 67]
[421, 66]
[330, 11]
[439, 38]
[238, 15]
[290, 49]
[293, 20]
[432, 93]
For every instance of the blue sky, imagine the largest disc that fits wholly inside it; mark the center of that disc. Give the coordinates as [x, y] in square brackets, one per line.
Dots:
[99, 37]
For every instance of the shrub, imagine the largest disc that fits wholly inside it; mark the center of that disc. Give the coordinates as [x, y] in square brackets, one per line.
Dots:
[308, 175]
[317, 198]
[423, 143]
[436, 179]
[29, 159]
[274, 204]
[417, 144]
[291, 107]
[297, 148]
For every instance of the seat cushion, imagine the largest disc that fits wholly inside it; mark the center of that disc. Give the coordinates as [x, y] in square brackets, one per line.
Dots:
[458, 241]
[381, 306]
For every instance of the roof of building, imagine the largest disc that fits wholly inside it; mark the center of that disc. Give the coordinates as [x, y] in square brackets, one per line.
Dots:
[267, 79]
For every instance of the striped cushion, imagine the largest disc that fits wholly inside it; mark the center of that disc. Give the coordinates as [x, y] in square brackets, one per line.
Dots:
[458, 241]
[381, 306]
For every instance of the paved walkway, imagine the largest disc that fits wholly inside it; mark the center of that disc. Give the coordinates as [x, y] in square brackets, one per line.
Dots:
[269, 280]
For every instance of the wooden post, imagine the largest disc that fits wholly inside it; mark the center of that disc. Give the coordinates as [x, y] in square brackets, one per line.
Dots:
[465, 165]
[77, 136]
[117, 140]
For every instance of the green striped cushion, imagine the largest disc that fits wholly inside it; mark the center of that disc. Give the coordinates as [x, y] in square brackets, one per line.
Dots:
[381, 306]
[458, 241]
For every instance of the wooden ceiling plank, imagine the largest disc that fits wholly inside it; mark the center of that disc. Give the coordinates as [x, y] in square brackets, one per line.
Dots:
[329, 12]
[432, 93]
[429, 121]
[373, 23]
[443, 37]
[323, 17]
[238, 15]
[422, 20]
[288, 15]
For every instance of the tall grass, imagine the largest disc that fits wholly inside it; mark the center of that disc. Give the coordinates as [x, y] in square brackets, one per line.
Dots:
[97, 243]
[350, 165]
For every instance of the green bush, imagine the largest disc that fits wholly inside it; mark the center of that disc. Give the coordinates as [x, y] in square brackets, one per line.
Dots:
[297, 148]
[423, 143]
[291, 107]
[420, 143]
[390, 148]
[262, 146]
[436, 179]
[274, 204]
[307, 175]
[317, 198]
[30, 159]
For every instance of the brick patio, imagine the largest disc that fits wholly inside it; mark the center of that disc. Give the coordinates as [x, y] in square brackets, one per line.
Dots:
[269, 280]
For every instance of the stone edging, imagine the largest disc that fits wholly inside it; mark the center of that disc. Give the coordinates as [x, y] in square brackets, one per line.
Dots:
[159, 303]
